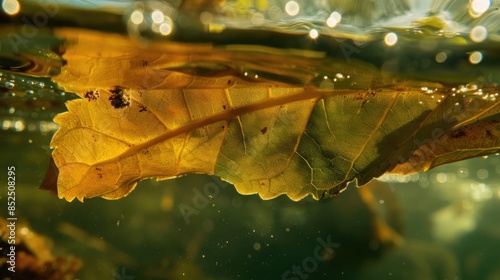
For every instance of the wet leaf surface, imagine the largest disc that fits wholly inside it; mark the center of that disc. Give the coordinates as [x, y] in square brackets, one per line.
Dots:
[140, 117]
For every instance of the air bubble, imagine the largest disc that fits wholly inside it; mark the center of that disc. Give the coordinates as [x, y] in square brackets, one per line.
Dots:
[441, 57]
[482, 174]
[441, 178]
[463, 172]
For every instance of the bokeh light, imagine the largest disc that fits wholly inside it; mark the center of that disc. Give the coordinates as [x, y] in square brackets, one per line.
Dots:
[157, 16]
[11, 7]
[292, 8]
[478, 7]
[137, 17]
[391, 39]
[478, 34]
[333, 19]
[475, 57]
[313, 34]
[441, 57]
[165, 28]
[206, 17]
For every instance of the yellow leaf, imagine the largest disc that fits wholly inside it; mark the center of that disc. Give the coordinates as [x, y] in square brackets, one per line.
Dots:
[173, 109]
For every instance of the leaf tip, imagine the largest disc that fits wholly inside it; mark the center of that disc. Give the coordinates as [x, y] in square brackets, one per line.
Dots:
[49, 182]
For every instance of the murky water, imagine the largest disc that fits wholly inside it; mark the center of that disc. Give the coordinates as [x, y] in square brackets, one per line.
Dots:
[435, 225]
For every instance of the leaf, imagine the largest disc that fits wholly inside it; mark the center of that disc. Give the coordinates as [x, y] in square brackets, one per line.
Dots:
[206, 111]
[478, 139]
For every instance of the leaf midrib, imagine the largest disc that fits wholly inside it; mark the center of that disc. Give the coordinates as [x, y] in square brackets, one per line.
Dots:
[228, 115]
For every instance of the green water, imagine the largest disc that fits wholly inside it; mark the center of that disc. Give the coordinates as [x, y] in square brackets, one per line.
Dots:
[171, 230]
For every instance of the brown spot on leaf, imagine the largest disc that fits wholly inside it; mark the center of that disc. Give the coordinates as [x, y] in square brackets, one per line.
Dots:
[119, 98]
[263, 130]
[99, 173]
[92, 95]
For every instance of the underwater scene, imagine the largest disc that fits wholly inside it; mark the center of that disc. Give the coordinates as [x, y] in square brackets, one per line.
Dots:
[249, 139]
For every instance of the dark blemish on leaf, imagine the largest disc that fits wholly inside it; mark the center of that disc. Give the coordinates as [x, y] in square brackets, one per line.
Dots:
[334, 192]
[143, 108]
[263, 130]
[489, 134]
[457, 134]
[364, 96]
[99, 172]
[92, 95]
[144, 63]
[224, 107]
[119, 98]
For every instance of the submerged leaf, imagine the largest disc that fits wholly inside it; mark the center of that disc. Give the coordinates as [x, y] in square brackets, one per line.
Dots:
[140, 117]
